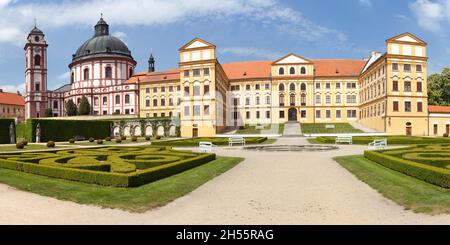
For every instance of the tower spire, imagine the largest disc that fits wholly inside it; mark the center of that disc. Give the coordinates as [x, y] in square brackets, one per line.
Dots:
[151, 62]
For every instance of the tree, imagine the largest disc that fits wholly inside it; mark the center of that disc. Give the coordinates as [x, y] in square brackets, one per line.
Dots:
[439, 88]
[71, 108]
[85, 107]
[48, 112]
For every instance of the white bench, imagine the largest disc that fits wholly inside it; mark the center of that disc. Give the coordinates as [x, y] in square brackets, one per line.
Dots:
[236, 141]
[205, 146]
[330, 126]
[259, 127]
[344, 139]
[378, 144]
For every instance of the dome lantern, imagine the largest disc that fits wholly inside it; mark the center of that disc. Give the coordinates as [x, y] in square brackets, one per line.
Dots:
[102, 28]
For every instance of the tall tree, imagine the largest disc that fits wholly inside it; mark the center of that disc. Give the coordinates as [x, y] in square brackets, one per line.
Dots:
[85, 107]
[71, 108]
[48, 112]
[439, 88]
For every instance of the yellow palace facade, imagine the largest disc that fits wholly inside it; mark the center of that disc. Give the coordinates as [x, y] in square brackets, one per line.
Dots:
[387, 92]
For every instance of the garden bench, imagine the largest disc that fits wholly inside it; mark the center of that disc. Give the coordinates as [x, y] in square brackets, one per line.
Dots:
[236, 141]
[205, 146]
[330, 126]
[379, 144]
[259, 127]
[344, 139]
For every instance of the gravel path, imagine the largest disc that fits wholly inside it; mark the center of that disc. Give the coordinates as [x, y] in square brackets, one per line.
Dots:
[267, 188]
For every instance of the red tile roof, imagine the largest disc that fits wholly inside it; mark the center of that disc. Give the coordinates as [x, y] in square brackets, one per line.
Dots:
[11, 99]
[169, 75]
[248, 70]
[333, 68]
[438, 109]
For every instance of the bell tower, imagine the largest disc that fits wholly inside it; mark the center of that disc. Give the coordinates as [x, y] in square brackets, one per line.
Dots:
[35, 74]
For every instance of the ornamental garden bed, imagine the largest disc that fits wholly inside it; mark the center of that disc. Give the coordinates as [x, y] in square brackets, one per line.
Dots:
[108, 166]
[215, 141]
[430, 163]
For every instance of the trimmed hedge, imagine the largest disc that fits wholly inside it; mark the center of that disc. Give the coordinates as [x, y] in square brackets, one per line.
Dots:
[429, 173]
[112, 166]
[63, 130]
[392, 140]
[215, 141]
[4, 130]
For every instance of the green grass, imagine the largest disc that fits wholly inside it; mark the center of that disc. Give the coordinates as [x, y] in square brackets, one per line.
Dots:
[392, 140]
[409, 192]
[112, 142]
[139, 199]
[29, 147]
[268, 129]
[319, 128]
[216, 141]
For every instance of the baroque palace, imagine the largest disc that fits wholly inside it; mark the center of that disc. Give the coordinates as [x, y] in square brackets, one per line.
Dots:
[387, 92]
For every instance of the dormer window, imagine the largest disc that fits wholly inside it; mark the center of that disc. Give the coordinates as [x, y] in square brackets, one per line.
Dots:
[88, 51]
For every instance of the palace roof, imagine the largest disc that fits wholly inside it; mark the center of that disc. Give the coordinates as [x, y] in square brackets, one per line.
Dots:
[145, 77]
[11, 99]
[438, 109]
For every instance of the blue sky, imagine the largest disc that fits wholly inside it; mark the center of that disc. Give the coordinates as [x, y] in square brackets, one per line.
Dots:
[241, 29]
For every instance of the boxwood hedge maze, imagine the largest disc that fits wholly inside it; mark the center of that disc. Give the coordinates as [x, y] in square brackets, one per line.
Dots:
[430, 163]
[109, 166]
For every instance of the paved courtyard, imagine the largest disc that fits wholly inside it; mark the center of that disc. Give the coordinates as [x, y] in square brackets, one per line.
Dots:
[267, 188]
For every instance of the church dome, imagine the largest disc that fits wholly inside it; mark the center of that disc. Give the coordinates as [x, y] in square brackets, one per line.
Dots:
[102, 45]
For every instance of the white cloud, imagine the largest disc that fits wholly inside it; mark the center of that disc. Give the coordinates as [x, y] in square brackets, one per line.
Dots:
[64, 76]
[431, 14]
[365, 3]
[18, 17]
[250, 52]
[120, 35]
[401, 16]
[14, 88]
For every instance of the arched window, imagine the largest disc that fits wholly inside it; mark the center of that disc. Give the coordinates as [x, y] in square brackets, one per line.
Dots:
[303, 87]
[281, 71]
[130, 72]
[117, 99]
[37, 60]
[105, 100]
[292, 71]
[303, 70]
[292, 87]
[108, 72]
[72, 78]
[86, 74]
[281, 87]
[127, 99]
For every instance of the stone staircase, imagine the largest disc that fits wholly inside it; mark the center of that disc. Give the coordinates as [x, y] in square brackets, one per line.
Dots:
[292, 129]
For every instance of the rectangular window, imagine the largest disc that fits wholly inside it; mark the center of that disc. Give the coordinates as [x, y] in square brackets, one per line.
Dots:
[338, 85]
[419, 86]
[155, 90]
[163, 89]
[247, 101]
[317, 85]
[186, 111]
[247, 87]
[170, 88]
[196, 72]
[328, 114]
[407, 67]
[267, 114]
[258, 100]
[318, 114]
[186, 73]
[338, 99]
[394, 66]
[206, 88]
[55, 104]
[163, 102]
[303, 114]
[163, 114]
[196, 110]
[338, 114]
[257, 115]
[155, 114]
[418, 68]
[267, 100]
[419, 107]
[351, 113]
[247, 114]
[407, 86]
[206, 71]
[408, 106]
[351, 99]
[267, 86]
[147, 90]
[435, 129]
[155, 102]
[394, 85]
[186, 91]
[196, 90]
[170, 101]
[328, 85]
[318, 99]
[257, 87]
[147, 103]
[236, 101]
[235, 115]
[281, 114]
[206, 110]
[328, 99]
[395, 106]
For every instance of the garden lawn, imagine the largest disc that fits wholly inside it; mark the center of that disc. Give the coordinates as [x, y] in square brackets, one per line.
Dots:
[215, 141]
[139, 199]
[392, 140]
[112, 142]
[29, 147]
[319, 128]
[268, 129]
[409, 192]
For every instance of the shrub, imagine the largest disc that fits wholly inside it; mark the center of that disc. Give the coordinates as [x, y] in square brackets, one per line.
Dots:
[20, 145]
[147, 138]
[91, 139]
[108, 139]
[118, 140]
[123, 137]
[25, 142]
[72, 141]
[50, 144]
[158, 137]
[100, 141]
[134, 138]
